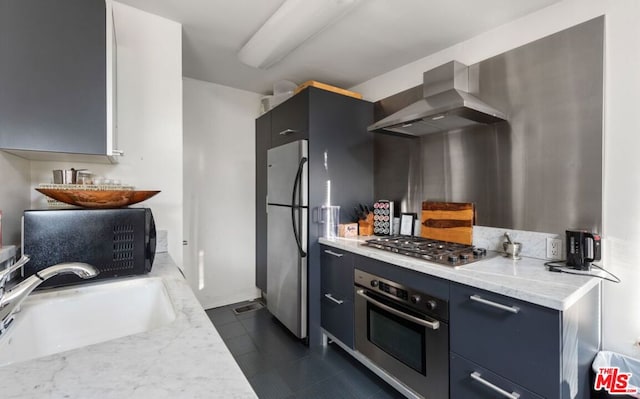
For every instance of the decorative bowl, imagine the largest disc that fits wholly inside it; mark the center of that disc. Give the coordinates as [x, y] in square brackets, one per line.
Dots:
[98, 198]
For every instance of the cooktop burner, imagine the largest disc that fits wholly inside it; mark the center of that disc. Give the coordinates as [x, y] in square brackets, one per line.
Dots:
[443, 252]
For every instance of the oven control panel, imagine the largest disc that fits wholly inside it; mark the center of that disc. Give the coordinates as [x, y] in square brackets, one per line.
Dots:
[394, 291]
[419, 301]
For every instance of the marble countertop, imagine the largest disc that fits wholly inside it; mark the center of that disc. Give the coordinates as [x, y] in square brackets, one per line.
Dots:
[184, 359]
[526, 279]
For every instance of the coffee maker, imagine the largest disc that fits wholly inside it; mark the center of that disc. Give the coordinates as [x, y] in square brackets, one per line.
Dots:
[583, 247]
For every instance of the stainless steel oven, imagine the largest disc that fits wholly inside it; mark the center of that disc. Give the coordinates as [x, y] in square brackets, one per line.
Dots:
[405, 332]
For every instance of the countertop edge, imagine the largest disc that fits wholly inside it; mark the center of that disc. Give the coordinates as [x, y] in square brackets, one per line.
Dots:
[526, 279]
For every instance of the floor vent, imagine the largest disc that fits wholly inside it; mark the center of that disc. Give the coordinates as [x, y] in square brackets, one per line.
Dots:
[248, 308]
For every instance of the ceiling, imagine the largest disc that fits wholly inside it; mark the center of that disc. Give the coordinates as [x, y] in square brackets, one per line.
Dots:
[375, 37]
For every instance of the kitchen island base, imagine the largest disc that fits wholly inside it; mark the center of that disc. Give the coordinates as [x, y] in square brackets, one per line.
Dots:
[513, 326]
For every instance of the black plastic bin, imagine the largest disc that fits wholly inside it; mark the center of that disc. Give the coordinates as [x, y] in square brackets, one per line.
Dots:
[625, 364]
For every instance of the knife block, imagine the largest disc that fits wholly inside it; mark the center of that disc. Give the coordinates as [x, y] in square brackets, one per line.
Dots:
[365, 227]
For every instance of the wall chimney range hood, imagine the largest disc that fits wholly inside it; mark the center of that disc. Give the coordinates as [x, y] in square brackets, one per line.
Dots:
[447, 105]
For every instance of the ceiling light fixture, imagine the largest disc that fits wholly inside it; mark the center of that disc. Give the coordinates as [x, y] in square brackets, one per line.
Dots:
[292, 24]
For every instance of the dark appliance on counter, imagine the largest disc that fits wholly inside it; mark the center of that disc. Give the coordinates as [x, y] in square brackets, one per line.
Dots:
[441, 252]
[118, 242]
[583, 247]
[404, 332]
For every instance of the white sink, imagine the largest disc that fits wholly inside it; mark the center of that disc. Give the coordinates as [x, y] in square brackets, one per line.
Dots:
[64, 319]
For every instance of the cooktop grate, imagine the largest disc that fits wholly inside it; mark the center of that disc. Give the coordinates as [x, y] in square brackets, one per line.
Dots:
[442, 252]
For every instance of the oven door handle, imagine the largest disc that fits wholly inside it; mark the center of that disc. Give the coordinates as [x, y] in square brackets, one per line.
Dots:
[434, 325]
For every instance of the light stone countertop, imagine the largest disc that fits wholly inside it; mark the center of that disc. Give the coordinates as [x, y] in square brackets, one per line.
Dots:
[184, 359]
[526, 279]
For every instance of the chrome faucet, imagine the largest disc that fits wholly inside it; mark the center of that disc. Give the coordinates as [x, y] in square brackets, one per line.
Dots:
[6, 273]
[10, 300]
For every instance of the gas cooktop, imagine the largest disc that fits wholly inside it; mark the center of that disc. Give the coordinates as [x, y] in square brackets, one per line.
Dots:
[442, 252]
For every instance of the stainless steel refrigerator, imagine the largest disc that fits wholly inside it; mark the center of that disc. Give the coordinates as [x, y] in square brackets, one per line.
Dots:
[287, 231]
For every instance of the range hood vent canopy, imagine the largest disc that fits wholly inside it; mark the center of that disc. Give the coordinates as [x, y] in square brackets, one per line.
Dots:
[447, 105]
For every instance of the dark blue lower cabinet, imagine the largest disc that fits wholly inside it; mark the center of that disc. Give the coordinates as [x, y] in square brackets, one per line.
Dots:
[516, 339]
[520, 344]
[470, 381]
[337, 319]
[336, 290]
[500, 347]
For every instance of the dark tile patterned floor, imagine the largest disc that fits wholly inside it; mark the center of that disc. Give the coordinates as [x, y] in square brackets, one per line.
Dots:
[279, 366]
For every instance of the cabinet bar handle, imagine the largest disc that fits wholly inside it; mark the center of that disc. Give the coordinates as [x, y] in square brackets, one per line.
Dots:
[337, 255]
[287, 131]
[511, 309]
[511, 395]
[330, 297]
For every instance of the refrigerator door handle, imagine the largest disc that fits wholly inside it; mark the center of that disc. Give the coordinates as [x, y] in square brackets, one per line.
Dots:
[294, 206]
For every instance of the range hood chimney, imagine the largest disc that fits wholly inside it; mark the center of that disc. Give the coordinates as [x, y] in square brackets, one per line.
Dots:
[447, 105]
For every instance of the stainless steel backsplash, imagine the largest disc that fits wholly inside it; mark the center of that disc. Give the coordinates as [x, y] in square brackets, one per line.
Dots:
[541, 170]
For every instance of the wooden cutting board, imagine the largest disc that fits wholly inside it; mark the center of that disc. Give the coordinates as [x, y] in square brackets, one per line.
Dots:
[327, 87]
[448, 221]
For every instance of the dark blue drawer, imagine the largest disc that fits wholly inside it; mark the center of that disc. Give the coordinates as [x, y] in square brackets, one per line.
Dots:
[470, 381]
[336, 293]
[517, 340]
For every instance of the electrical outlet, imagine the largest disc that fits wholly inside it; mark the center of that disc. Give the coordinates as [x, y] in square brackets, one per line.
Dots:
[554, 248]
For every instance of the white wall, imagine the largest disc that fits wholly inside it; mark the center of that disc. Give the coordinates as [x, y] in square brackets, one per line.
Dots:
[149, 86]
[219, 192]
[621, 202]
[14, 195]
